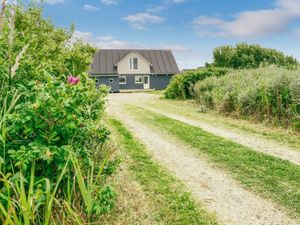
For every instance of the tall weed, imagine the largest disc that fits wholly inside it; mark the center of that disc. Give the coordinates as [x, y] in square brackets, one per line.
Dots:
[267, 94]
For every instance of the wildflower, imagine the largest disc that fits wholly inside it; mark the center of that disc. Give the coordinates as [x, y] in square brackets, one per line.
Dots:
[73, 80]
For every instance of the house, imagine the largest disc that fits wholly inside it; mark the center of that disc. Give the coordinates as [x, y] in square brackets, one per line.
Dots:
[127, 69]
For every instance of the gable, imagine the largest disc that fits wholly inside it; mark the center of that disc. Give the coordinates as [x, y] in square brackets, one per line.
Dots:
[162, 61]
[123, 66]
[134, 53]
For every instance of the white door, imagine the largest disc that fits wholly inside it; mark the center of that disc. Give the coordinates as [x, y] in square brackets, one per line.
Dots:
[146, 82]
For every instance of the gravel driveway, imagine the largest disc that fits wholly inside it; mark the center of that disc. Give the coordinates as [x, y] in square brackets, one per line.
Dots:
[257, 143]
[217, 191]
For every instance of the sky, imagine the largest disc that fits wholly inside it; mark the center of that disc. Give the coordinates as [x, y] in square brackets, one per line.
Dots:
[191, 28]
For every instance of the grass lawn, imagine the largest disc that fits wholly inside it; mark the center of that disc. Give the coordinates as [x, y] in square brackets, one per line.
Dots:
[190, 109]
[171, 203]
[268, 176]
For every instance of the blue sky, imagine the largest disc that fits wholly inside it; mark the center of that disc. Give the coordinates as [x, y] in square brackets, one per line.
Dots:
[191, 28]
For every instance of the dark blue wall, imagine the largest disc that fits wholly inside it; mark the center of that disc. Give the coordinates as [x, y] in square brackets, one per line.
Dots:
[104, 80]
[130, 83]
[157, 82]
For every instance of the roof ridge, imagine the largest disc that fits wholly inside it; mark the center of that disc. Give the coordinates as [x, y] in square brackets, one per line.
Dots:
[132, 49]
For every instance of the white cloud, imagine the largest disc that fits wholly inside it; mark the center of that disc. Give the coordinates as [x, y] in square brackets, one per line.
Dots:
[143, 18]
[113, 44]
[102, 41]
[53, 2]
[164, 6]
[105, 38]
[91, 8]
[251, 24]
[83, 36]
[110, 2]
[157, 9]
[173, 47]
[140, 20]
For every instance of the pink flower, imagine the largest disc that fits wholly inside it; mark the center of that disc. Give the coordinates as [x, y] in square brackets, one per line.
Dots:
[73, 80]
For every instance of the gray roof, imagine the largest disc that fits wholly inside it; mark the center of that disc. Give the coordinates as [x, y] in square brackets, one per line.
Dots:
[163, 61]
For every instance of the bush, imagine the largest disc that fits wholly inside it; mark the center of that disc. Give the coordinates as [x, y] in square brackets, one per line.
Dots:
[52, 119]
[266, 94]
[245, 56]
[181, 85]
[52, 139]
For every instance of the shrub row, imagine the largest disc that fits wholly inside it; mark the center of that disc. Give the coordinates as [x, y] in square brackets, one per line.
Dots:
[246, 56]
[266, 94]
[181, 84]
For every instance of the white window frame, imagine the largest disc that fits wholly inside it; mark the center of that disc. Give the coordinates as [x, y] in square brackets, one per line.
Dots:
[124, 81]
[111, 80]
[135, 79]
[131, 64]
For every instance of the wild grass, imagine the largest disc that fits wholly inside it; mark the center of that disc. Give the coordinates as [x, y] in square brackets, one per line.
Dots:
[132, 205]
[172, 203]
[268, 94]
[265, 175]
[191, 109]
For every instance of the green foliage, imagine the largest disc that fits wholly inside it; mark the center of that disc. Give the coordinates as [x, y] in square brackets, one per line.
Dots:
[181, 85]
[22, 204]
[266, 94]
[51, 118]
[48, 48]
[51, 129]
[251, 56]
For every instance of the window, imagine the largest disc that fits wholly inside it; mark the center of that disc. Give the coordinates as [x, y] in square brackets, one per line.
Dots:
[111, 80]
[97, 81]
[138, 79]
[122, 80]
[134, 64]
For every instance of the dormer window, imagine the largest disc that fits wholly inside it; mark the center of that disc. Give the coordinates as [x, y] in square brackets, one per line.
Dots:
[134, 63]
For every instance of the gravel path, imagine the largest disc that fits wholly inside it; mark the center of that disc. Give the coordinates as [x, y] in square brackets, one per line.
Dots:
[217, 191]
[259, 144]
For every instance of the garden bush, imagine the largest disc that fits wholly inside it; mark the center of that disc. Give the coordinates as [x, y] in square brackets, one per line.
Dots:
[266, 94]
[53, 145]
[181, 85]
[246, 56]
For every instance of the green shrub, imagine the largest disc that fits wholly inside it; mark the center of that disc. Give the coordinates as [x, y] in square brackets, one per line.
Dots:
[52, 119]
[53, 148]
[267, 94]
[181, 85]
[246, 56]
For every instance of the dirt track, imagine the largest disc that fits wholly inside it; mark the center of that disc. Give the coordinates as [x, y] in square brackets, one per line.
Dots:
[259, 144]
[217, 191]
